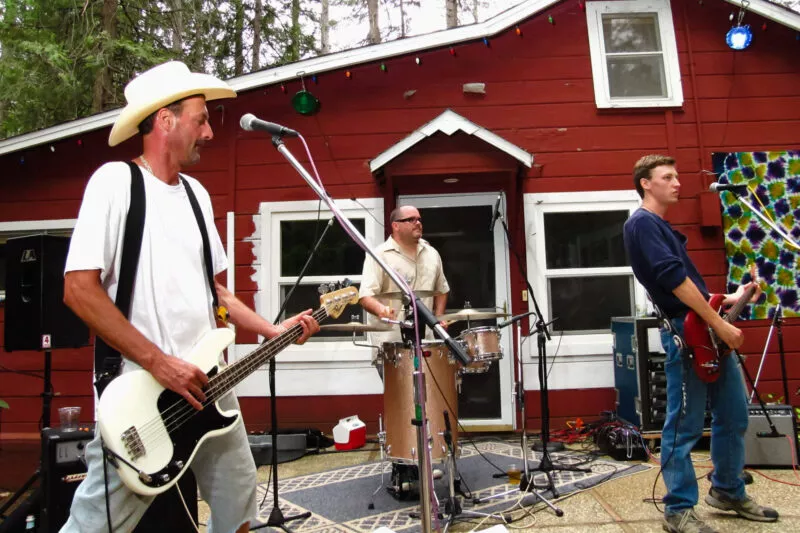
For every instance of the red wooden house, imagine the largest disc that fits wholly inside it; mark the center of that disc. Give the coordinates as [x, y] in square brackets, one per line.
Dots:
[549, 103]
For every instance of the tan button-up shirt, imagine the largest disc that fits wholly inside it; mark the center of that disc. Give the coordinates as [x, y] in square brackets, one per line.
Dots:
[423, 273]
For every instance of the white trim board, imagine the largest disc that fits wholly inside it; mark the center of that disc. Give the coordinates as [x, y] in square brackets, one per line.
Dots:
[449, 123]
[317, 65]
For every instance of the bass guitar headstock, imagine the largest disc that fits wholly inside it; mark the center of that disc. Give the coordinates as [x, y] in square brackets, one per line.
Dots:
[335, 296]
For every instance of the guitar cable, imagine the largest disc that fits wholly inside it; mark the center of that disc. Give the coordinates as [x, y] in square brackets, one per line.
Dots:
[105, 482]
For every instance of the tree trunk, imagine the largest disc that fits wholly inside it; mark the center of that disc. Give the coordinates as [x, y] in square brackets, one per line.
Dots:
[258, 13]
[101, 91]
[402, 20]
[451, 13]
[374, 36]
[177, 27]
[295, 33]
[238, 45]
[324, 28]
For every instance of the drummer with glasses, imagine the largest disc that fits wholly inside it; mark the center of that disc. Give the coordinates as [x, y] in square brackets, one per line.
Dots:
[417, 262]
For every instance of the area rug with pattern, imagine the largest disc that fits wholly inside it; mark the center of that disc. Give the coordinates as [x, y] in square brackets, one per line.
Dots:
[339, 500]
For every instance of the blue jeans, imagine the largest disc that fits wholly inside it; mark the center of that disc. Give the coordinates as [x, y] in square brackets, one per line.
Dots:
[683, 427]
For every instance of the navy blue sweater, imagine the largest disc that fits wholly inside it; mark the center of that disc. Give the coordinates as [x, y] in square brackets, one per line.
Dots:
[659, 260]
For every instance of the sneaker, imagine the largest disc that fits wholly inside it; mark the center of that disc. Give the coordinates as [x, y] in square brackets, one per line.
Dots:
[437, 474]
[686, 522]
[746, 508]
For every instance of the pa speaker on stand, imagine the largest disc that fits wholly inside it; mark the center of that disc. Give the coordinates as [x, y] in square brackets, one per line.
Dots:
[35, 316]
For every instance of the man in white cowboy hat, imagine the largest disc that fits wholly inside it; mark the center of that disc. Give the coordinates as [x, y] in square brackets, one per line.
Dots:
[171, 297]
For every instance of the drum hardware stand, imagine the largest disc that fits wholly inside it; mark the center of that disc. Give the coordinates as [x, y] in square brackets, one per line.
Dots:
[382, 447]
[276, 517]
[423, 314]
[452, 504]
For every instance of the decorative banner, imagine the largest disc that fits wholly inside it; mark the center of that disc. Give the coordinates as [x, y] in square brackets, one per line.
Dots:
[775, 178]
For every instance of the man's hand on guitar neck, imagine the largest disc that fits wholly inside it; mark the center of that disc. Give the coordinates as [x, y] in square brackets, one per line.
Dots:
[732, 298]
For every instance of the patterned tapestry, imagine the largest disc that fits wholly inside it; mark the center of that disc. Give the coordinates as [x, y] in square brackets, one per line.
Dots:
[775, 179]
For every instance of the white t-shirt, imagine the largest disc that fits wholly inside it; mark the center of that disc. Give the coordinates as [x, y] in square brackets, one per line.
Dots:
[171, 303]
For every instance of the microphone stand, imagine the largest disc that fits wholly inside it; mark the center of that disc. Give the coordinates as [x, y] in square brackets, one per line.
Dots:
[276, 517]
[542, 336]
[525, 483]
[428, 502]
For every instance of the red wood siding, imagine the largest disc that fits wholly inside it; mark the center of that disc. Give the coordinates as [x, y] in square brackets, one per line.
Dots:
[539, 97]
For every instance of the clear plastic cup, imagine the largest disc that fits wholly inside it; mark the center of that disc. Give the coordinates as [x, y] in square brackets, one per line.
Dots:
[514, 474]
[69, 418]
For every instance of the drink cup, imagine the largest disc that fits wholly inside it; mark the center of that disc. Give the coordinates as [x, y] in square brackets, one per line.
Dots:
[69, 417]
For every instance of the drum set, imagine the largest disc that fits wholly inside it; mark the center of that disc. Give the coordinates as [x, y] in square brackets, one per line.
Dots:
[443, 376]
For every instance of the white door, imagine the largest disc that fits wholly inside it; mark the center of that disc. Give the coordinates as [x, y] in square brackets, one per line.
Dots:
[476, 266]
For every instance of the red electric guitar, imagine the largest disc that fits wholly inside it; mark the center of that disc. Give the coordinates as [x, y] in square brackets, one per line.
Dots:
[705, 347]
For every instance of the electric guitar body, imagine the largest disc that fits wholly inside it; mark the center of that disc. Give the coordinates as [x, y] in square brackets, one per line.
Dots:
[704, 345]
[152, 434]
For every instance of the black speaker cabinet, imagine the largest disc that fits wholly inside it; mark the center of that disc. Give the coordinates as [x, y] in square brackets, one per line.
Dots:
[63, 470]
[35, 316]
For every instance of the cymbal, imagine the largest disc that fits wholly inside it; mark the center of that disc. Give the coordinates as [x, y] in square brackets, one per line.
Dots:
[353, 327]
[470, 314]
[399, 295]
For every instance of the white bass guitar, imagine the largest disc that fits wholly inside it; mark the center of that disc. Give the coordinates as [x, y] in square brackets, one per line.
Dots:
[152, 433]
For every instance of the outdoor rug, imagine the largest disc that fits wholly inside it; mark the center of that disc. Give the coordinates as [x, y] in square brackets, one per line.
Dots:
[339, 499]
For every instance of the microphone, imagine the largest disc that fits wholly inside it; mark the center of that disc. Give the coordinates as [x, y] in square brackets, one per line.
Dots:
[430, 320]
[719, 187]
[513, 319]
[250, 122]
[495, 213]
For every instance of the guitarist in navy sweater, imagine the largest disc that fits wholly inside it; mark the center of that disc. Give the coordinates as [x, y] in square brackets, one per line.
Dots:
[660, 262]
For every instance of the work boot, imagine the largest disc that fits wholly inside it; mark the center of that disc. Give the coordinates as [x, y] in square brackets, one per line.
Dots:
[686, 522]
[746, 507]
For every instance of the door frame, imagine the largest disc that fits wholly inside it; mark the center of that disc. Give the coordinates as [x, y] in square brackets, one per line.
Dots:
[508, 418]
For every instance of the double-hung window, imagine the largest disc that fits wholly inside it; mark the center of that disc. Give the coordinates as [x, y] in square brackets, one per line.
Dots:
[578, 266]
[634, 54]
[290, 231]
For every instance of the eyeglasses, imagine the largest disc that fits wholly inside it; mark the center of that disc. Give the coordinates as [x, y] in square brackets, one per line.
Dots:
[410, 219]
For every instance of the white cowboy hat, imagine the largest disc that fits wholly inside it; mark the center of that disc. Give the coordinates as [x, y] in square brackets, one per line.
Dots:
[159, 87]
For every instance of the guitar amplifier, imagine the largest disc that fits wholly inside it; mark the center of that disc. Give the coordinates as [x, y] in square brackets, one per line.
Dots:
[760, 450]
[63, 469]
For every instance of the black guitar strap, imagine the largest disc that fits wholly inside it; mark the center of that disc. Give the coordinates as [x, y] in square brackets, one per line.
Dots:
[107, 360]
[219, 312]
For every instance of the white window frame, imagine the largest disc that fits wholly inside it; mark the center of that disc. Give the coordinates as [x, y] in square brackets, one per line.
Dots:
[28, 227]
[535, 206]
[672, 74]
[269, 278]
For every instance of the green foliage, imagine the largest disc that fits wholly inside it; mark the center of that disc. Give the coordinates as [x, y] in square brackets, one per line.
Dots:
[3, 405]
[65, 59]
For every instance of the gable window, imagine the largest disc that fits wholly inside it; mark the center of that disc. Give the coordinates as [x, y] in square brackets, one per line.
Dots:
[634, 54]
[578, 267]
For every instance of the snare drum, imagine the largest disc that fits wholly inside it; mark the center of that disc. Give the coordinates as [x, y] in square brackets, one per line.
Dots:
[483, 344]
[398, 399]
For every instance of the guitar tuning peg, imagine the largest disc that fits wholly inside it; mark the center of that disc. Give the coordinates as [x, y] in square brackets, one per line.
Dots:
[346, 283]
[323, 289]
